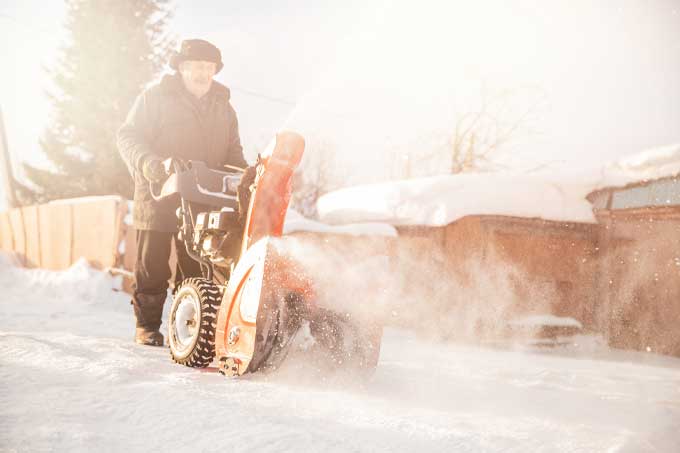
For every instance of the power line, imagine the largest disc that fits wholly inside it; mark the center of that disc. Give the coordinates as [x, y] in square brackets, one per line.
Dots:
[263, 96]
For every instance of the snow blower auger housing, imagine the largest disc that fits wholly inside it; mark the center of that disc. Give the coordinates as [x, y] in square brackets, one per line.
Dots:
[252, 300]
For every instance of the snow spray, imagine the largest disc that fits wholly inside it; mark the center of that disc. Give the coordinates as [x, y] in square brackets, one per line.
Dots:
[411, 288]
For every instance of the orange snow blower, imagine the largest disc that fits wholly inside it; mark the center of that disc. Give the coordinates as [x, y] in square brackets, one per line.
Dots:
[252, 299]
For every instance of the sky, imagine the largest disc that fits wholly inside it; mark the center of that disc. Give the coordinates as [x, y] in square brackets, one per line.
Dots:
[601, 79]
[380, 81]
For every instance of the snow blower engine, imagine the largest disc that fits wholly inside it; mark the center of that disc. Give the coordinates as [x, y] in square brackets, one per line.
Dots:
[252, 300]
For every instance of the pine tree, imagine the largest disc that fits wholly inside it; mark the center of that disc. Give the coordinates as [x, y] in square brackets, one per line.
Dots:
[115, 48]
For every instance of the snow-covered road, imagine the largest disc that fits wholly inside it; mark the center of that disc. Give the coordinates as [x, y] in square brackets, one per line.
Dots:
[71, 379]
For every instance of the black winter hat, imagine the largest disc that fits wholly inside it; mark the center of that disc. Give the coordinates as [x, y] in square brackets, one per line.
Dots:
[196, 49]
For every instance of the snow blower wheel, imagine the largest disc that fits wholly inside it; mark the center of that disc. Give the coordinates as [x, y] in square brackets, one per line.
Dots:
[191, 328]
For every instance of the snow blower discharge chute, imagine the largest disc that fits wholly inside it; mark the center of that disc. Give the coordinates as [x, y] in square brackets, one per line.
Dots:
[251, 301]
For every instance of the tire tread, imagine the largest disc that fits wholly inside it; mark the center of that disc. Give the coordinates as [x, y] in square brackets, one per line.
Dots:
[204, 349]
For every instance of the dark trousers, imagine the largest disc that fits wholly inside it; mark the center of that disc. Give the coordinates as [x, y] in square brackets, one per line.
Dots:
[152, 269]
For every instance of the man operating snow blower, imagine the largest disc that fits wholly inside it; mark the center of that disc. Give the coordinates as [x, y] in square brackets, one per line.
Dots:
[186, 116]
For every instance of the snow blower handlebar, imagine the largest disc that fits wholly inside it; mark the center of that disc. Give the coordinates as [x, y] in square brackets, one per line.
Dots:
[192, 182]
[196, 183]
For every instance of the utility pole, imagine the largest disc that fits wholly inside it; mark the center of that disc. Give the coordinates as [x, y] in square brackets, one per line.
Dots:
[6, 173]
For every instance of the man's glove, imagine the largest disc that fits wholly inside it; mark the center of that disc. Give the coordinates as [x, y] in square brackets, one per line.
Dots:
[243, 193]
[153, 170]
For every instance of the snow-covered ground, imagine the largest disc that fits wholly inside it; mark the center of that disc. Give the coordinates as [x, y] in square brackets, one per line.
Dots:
[71, 379]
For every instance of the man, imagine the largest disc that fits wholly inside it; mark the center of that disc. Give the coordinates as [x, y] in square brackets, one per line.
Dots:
[188, 116]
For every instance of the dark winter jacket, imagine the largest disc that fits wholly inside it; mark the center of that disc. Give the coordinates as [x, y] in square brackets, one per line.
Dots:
[168, 121]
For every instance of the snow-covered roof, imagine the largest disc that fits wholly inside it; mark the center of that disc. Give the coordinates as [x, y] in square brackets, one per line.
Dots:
[440, 200]
[647, 165]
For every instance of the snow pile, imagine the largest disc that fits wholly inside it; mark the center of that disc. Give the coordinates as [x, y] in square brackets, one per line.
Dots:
[440, 200]
[79, 280]
[71, 297]
[296, 222]
[648, 165]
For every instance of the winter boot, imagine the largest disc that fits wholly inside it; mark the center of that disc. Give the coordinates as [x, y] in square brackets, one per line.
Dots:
[148, 337]
[148, 311]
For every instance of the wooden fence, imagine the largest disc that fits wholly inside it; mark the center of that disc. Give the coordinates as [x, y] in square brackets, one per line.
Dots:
[55, 235]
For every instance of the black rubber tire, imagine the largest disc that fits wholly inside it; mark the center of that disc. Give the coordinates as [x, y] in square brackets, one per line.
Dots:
[202, 352]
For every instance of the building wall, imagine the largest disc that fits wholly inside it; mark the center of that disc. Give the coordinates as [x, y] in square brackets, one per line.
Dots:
[482, 272]
[557, 264]
[640, 279]
[619, 278]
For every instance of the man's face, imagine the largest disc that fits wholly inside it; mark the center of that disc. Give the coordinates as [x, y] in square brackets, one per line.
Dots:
[197, 76]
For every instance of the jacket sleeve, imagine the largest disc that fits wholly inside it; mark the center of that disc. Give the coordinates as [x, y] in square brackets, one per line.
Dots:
[134, 136]
[234, 152]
